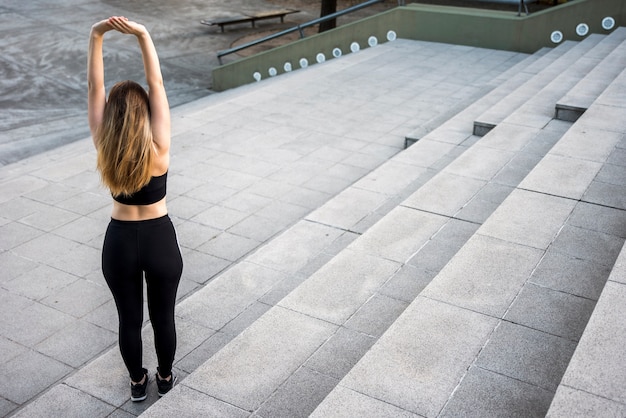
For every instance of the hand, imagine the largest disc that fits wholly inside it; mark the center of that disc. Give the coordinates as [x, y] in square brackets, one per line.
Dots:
[123, 25]
[100, 28]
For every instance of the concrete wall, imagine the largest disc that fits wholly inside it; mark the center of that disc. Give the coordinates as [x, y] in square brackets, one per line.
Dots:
[461, 26]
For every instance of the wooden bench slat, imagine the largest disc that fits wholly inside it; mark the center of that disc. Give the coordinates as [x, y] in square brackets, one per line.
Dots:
[221, 22]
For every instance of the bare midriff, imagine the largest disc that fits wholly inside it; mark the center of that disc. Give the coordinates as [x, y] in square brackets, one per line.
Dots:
[123, 212]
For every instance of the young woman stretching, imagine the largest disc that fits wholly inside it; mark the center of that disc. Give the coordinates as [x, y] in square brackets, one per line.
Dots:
[131, 132]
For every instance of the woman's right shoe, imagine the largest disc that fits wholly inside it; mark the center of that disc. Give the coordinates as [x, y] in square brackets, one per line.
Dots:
[138, 390]
[164, 385]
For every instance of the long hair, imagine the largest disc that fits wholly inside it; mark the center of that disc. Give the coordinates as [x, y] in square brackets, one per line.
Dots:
[124, 139]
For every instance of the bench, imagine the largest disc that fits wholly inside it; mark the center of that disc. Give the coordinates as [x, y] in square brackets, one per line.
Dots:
[248, 17]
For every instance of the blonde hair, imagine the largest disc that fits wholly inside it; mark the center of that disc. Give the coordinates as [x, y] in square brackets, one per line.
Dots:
[124, 139]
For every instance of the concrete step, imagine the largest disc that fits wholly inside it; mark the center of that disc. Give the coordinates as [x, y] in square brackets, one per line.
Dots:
[334, 316]
[575, 58]
[589, 386]
[494, 331]
[283, 147]
[579, 98]
[499, 87]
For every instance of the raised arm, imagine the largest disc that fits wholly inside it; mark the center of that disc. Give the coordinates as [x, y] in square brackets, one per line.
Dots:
[96, 95]
[159, 106]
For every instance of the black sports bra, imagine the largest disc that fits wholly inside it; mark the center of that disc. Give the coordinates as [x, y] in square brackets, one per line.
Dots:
[150, 193]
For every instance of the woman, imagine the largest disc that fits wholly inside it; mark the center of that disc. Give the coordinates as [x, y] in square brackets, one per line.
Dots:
[131, 132]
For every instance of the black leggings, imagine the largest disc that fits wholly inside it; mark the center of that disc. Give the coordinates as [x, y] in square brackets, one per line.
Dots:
[130, 249]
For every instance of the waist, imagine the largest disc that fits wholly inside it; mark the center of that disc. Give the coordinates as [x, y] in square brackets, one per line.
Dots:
[124, 212]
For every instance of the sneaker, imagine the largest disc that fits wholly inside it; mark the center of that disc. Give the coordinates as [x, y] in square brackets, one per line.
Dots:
[165, 385]
[138, 391]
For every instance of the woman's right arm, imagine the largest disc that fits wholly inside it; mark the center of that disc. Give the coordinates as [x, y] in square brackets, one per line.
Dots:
[96, 95]
[159, 106]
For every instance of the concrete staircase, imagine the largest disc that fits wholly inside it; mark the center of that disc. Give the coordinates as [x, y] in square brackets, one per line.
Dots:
[494, 324]
[457, 278]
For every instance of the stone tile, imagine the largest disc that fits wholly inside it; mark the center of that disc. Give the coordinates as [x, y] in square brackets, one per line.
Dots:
[337, 290]
[348, 208]
[551, 311]
[83, 229]
[259, 228]
[438, 251]
[576, 144]
[245, 319]
[14, 265]
[192, 234]
[486, 394]
[40, 282]
[105, 316]
[599, 218]
[413, 365]
[219, 217]
[30, 374]
[19, 186]
[225, 298]
[79, 298]
[188, 403]
[85, 203]
[6, 407]
[66, 401]
[561, 176]
[228, 246]
[484, 203]
[295, 247]
[586, 405]
[597, 367]
[33, 324]
[612, 174]
[589, 245]
[340, 353]
[400, 234]
[186, 207]
[407, 283]
[570, 274]
[283, 212]
[20, 207]
[49, 219]
[376, 315]
[52, 193]
[265, 350]
[343, 402]
[390, 178]
[508, 137]
[203, 352]
[10, 349]
[245, 201]
[527, 355]
[106, 378]
[14, 234]
[528, 218]
[299, 395]
[480, 163]
[475, 281]
[445, 194]
[606, 194]
[77, 343]
[200, 267]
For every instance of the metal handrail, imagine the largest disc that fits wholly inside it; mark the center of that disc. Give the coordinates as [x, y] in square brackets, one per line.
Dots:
[299, 28]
